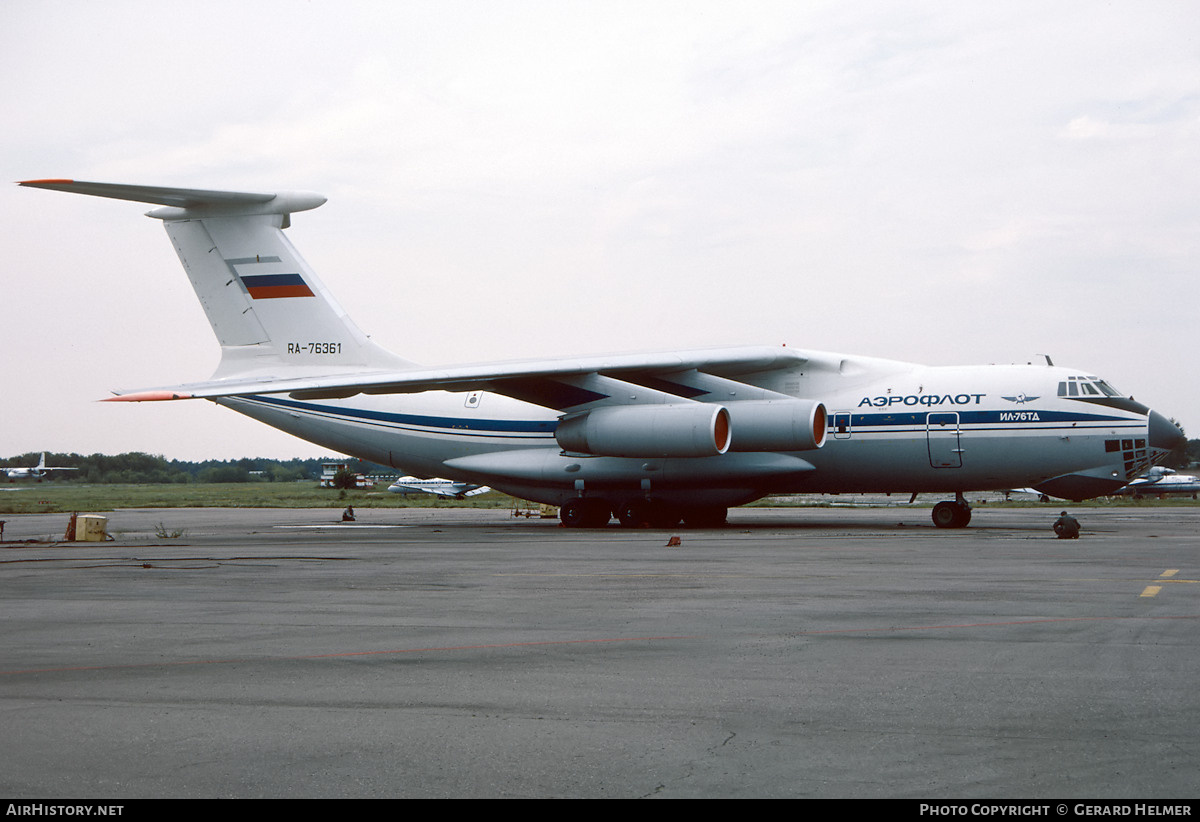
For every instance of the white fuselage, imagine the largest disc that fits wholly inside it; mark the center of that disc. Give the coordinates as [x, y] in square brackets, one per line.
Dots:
[892, 427]
[437, 486]
[1162, 486]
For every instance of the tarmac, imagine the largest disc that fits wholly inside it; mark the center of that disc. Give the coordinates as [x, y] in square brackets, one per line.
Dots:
[466, 653]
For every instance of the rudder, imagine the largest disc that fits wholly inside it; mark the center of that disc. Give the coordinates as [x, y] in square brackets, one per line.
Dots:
[268, 309]
[265, 304]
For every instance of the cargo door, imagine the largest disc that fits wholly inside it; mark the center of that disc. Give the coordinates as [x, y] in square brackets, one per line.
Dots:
[944, 438]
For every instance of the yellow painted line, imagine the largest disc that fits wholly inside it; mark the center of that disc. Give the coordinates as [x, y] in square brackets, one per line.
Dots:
[1151, 590]
[1169, 572]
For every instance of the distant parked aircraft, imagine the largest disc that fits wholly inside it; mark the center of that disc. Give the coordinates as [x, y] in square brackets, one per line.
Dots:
[37, 472]
[440, 487]
[1160, 482]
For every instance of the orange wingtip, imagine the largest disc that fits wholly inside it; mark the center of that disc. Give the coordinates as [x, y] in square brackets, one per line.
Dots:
[43, 182]
[149, 396]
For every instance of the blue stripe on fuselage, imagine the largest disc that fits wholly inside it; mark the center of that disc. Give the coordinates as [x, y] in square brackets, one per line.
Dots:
[998, 417]
[484, 427]
[456, 424]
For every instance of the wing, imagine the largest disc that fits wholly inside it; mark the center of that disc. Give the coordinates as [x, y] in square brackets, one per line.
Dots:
[676, 404]
[559, 384]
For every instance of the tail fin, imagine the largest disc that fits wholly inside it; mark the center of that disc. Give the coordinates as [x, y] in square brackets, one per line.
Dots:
[268, 309]
[42, 461]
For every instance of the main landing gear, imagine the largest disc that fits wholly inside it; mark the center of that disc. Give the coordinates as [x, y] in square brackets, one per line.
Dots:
[591, 512]
[584, 513]
[956, 514]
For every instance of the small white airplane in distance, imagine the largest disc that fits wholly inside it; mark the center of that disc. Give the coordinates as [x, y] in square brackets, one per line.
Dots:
[1160, 482]
[652, 438]
[438, 486]
[37, 472]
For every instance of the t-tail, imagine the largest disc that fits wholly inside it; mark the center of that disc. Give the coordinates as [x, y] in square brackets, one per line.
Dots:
[270, 312]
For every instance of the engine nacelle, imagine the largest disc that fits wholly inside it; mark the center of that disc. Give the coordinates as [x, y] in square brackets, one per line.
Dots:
[691, 430]
[777, 425]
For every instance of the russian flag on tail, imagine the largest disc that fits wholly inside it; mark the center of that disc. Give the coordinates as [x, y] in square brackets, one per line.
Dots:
[273, 286]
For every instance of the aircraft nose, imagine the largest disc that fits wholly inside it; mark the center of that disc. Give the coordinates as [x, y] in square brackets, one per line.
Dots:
[1165, 434]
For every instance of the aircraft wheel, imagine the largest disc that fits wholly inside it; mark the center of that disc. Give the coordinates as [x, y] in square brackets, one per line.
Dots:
[705, 516]
[571, 513]
[634, 514]
[948, 514]
[584, 513]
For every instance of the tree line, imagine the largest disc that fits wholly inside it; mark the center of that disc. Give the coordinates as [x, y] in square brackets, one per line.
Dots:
[137, 467]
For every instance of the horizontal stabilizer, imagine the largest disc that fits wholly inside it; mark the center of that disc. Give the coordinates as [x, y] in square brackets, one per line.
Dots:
[178, 197]
[190, 200]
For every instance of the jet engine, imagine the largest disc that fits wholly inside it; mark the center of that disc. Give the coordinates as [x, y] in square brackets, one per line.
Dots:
[777, 425]
[695, 429]
[669, 430]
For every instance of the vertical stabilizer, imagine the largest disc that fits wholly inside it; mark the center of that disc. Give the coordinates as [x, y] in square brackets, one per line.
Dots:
[265, 304]
[269, 310]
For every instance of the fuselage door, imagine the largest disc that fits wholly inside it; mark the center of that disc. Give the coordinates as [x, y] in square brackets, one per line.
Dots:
[942, 433]
[841, 425]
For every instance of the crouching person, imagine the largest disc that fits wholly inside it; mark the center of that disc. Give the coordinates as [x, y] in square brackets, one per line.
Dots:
[1066, 526]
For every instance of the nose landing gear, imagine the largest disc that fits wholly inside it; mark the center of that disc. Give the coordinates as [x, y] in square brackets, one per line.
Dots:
[956, 514]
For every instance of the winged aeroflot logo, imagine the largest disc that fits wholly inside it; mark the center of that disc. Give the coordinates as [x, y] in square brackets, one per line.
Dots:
[1021, 399]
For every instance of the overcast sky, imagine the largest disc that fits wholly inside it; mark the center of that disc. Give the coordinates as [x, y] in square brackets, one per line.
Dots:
[940, 182]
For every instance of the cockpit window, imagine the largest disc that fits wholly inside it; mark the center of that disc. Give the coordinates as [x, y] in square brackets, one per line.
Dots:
[1086, 387]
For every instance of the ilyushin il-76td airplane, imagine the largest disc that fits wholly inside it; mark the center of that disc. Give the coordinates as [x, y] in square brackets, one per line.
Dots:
[653, 438]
